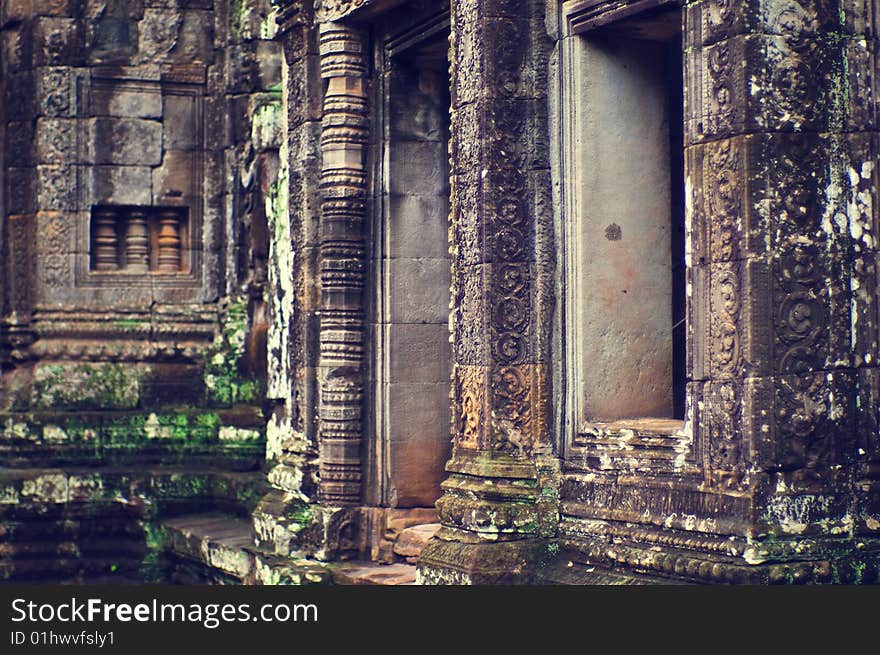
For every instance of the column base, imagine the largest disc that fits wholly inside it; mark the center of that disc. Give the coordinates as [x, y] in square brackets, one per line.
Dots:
[288, 526]
[447, 562]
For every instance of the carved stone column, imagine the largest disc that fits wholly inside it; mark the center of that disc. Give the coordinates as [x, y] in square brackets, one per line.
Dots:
[316, 279]
[342, 262]
[493, 510]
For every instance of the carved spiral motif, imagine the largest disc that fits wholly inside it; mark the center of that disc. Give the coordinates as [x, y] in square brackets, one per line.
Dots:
[512, 280]
[511, 314]
[800, 317]
[508, 347]
[795, 22]
[509, 244]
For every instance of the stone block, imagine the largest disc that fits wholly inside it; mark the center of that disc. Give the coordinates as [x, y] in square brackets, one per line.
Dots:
[419, 353]
[55, 232]
[241, 70]
[20, 97]
[57, 187]
[195, 37]
[54, 279]
[761, 83]
[18, 45]
[127, 102]
[57, 41]
[419, 168]
[174, 181]
[86, 386]
[20, 197]
[268, 59]
[812, 305]
[121, 185]
[173, 384]
[158, 33]
[126, 141]
[710, 21]
[412, 540]
[419, 290]
[181, 129]
[56, 141]
[55, 92]
[419, 441]
[114, 297]
[418, 226]
[19, 142]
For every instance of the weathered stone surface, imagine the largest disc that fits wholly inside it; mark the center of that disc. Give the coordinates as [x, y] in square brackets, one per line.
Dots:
[422, 287]
[412, 540]
[56, 141]
[121, 185]
[58, 41]
[181, 129]
[125, 102]
[334, 232]
[175, 180]
[125, 141]
[376, 574]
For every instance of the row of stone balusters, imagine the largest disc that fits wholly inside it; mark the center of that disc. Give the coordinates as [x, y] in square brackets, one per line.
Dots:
[135, 230]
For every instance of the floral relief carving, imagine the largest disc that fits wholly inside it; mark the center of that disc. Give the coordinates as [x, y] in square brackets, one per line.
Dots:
[725, 306]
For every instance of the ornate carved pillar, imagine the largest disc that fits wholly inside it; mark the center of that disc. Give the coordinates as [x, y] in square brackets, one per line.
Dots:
[342, 262]
[315, 278]
[781, 150]
[493, 508]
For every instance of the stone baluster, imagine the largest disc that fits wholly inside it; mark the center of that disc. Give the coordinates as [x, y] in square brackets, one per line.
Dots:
[106, 240]
[169, 241]
[137, 242]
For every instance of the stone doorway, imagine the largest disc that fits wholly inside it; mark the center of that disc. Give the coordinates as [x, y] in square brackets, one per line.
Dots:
[411, 365]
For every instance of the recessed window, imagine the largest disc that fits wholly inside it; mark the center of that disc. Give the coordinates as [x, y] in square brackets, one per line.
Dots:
[628, 308]
[131, 239]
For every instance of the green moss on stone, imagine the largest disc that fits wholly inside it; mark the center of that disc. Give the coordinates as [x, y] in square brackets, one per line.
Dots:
[86, 386]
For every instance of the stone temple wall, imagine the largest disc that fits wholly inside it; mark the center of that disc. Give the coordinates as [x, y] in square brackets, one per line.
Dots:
[141, 165]
[201, 299]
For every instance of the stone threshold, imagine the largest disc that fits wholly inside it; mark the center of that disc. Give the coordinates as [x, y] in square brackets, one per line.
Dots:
[224, 545]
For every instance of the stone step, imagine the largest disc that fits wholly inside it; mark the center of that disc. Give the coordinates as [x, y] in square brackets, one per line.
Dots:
[411, 541]
[220, 542]
[223, 546]
[375, 573]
